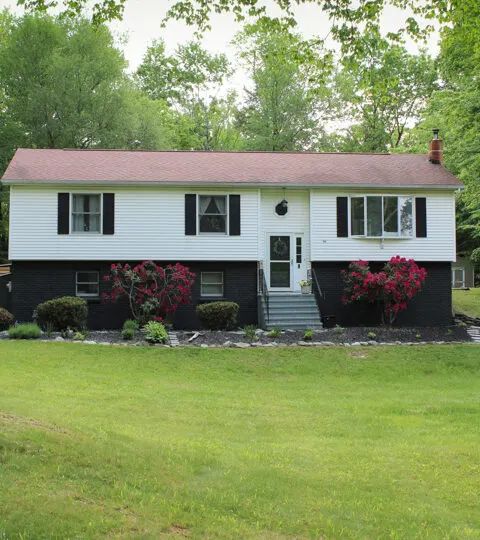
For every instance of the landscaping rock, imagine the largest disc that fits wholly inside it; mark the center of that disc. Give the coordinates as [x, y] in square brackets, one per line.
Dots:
[241, 345]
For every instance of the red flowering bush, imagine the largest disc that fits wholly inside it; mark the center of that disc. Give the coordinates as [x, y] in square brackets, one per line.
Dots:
[152, 291]
[6, 319]
[392, 287]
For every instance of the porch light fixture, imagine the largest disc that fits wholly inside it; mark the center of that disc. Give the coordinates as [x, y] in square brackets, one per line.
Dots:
[282, 208]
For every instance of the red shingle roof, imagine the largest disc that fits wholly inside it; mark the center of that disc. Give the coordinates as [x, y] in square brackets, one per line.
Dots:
[267, 168]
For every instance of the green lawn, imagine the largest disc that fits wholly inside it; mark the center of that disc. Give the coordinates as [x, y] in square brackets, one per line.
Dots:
[272, 443]
[467, 302]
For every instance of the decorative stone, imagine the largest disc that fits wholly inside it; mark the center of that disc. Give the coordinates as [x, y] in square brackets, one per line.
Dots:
[204, 346]
[241, 345]
[227, 344]
[356, 344]
[59, 338]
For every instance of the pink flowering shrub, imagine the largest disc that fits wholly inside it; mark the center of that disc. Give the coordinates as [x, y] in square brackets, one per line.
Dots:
[152, 291]
[398, 282]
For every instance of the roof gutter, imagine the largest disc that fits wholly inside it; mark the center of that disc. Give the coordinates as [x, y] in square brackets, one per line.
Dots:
[127, 183]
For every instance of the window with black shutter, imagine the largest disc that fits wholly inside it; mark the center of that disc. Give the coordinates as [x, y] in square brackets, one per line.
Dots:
[63, 214]
[421, 217]
[342, 217]
[212, 214]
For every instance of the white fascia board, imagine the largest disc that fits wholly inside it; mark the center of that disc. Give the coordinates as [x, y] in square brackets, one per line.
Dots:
[222, 185]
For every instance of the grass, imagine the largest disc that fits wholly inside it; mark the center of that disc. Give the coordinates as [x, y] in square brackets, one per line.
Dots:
[334, 442]
[467, 302]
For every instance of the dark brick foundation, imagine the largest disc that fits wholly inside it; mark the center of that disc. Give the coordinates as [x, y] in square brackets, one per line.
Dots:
[431, 307]
[34, 282]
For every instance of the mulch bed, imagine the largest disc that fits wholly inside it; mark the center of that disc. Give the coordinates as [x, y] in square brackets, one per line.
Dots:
[356, 335]
[337, 336]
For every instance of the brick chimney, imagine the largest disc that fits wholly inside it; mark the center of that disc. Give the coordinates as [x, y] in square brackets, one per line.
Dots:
[435, 154]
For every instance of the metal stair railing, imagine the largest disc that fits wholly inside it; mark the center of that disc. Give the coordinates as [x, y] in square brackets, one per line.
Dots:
[263, 290]
[311, 272]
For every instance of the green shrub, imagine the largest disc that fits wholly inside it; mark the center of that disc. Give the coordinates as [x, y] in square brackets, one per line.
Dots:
[308, 335]
[6, 319]
[338, 330]
[418, 336]
[25, 331]
[67, 333]
[275, 333]
[79, 336]
[128, 334]
[251, 332]
[130, 324]
[371, 335]
[218, 315]
[130, 328]
[155, 332]
[62, 313]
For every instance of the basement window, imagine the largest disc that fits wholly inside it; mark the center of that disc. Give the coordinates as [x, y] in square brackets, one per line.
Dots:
[87, 284]
[211, 284]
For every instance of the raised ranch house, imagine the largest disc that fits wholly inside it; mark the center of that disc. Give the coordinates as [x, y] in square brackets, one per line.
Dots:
[251, 225]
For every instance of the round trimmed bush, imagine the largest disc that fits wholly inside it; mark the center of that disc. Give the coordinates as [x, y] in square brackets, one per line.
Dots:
[6, 319]
[218, 315]
[62, 313]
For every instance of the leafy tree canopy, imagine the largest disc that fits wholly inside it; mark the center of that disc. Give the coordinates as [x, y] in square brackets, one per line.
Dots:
[347, 16]
[289, 98]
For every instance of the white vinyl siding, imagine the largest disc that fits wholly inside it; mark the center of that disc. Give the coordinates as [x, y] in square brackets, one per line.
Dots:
[438, 246]
[149, 225]
[295, 221]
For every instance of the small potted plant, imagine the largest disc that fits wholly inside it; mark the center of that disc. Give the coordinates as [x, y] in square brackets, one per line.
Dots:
[306, 286]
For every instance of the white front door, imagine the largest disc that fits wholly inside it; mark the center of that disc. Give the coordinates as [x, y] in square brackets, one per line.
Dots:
[286, 264]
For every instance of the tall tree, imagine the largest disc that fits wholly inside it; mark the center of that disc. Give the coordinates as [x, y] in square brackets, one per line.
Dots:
[382, 91]
[62, 84]
[190, 81]
[455, 110]
[289, 98]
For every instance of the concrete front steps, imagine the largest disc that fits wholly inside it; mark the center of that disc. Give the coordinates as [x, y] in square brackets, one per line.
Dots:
[291, 311]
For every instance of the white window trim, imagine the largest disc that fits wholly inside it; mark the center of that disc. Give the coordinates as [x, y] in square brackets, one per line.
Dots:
[87, 295]
[227, 214]
[382, 237]
[455, 269]
[86, 233]
[222, 283]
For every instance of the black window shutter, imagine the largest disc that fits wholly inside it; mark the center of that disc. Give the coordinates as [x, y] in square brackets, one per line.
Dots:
[234, 210]
[421, 217]
[342, 217]
[190, 214]
[63, 215]
[108, 213]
